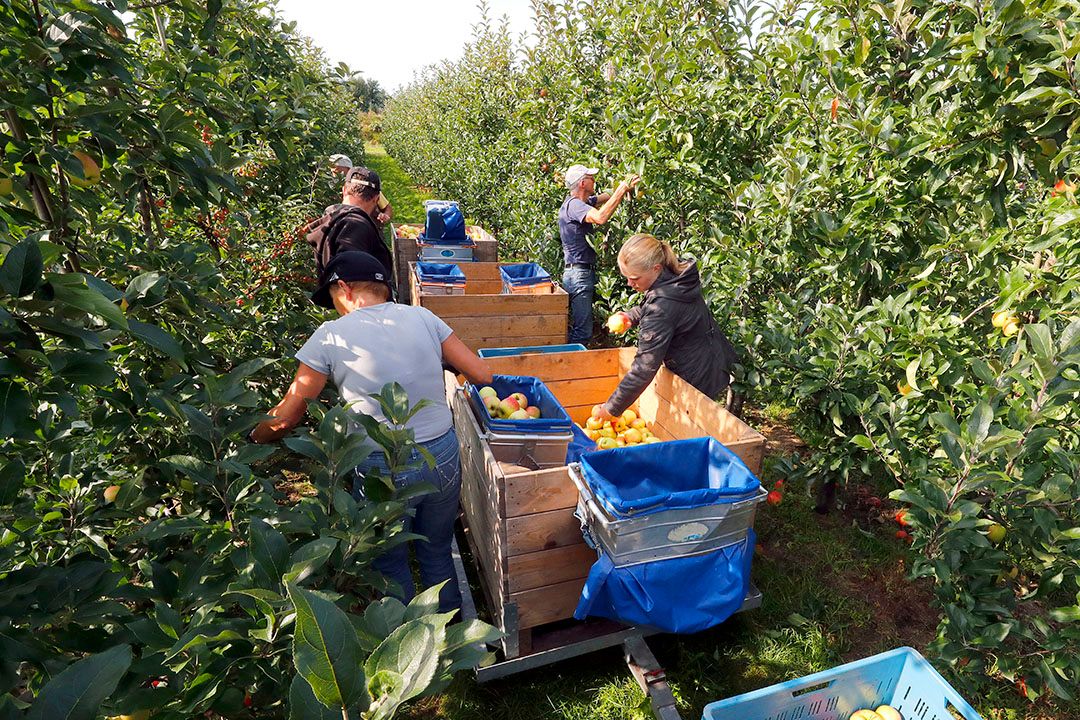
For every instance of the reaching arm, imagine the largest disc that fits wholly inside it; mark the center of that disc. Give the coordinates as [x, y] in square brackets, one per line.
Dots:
[653, 342]
[599, 216]
[458, 355]
[288, 413]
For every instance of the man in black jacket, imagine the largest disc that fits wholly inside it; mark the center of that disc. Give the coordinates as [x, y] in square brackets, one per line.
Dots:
[351, 225]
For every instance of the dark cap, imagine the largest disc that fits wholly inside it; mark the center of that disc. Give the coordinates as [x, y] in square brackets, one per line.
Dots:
[351, 266]
[364, 177]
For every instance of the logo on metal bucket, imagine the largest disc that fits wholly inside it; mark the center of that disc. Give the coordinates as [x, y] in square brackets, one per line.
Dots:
[688, 532]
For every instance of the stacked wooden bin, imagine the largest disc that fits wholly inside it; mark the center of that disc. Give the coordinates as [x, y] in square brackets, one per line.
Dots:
[405, 252]
[520, 522]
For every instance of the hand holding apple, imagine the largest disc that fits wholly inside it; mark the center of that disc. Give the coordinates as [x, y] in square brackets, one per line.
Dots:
[619, 323]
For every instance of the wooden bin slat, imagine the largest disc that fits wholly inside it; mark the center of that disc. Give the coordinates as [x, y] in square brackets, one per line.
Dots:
[488, 320]
[542, 560]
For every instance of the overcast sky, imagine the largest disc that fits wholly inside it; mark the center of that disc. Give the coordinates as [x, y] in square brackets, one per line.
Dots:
[389, 39]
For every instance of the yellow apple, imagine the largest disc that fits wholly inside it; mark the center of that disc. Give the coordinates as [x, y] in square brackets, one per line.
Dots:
[1011, 327]
[619, 424]
[639, 423]
[652, 439]
[618, 323]
[594, 423]
[888, 712]
[995, 533]
[607, 432]
[606, 443]
[111, 492]
[629, 416]
[865, 715]
[1000, 318]
[90, 168]
[6, 186]
[633, 436]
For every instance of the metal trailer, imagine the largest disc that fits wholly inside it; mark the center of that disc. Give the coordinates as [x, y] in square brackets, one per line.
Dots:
[565, 642]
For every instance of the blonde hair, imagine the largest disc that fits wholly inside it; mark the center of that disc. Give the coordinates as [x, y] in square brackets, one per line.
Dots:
[642, 251]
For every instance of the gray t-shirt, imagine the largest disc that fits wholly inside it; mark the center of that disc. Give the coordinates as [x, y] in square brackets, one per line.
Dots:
[372, 346]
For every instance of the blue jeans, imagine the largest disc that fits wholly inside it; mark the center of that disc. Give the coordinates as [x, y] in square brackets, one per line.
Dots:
[579, 284]
[434, 519]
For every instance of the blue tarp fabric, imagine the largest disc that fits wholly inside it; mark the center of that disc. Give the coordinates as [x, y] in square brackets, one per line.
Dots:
[444, 223]
[553, 419]
[520, 274]
[579, 445]
[642, 479]
[448, 273]
[678, 595]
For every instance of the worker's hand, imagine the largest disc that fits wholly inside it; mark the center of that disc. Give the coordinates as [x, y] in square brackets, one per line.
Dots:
[383, 218]
[603, 414]
[631, 181]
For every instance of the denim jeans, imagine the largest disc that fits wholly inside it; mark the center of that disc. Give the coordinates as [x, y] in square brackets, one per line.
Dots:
[434, 519]
[579, 284]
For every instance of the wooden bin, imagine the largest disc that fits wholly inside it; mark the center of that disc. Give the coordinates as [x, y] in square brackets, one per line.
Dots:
[405, 252]
[524, 536]
[484, 317]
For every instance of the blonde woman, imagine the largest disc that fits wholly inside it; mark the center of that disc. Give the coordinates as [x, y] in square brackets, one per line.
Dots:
[675, 327]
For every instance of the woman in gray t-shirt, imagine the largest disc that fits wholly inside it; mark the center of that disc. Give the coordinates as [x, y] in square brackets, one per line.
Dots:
[373, 343]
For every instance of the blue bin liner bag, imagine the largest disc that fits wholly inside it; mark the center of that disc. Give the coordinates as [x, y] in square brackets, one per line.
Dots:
[678, 474]
[448, 273]
[444, 223]
[579, 445]
[521, 274]
[677, 595]
[553, 419]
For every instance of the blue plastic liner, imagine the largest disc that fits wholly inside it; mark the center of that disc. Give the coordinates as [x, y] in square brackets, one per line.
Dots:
[529, 350]
[447, 273]
[579, 445]
[521, 274]
[901, 678]
[444, 223]
[553, 419]
[678, 595]
[643, 479]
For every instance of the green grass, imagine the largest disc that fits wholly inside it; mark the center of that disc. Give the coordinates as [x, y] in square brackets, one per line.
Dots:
[398, 187]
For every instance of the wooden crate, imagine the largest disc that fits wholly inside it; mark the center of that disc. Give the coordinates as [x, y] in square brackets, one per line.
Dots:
[533, 561]
[405, 252]
[484, 318]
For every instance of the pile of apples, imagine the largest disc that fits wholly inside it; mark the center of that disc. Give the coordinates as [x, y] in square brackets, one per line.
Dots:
[627, 429]
[884, 712]
[409, 232]
[474, 233]
[512, 407]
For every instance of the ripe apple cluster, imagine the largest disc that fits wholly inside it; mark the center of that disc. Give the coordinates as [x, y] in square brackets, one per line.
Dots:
[627, 429]
[512, 407]
[883, 712]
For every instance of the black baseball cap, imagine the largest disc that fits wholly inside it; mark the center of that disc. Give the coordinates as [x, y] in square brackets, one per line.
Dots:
[365, 177]
[351, 266]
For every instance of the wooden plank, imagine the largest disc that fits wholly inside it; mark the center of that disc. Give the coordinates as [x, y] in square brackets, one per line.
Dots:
[589, 391]
[547, 604]
[701, 409]
[483, 287]
[477, 342]
[550, 567]
[550, 367]
[539, 491]
[508, 327]
[481, 271]
[751, 451]
[448, 306]
[542, 531]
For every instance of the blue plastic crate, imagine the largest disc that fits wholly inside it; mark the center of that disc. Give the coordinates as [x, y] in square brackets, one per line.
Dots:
[529, 350]
[901, 678]
[447, 273]
[553, 419]
[520, 274]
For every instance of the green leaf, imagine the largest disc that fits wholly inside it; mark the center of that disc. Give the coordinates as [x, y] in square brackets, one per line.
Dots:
[326, 651]
[270, 552]
[12, 476]
[14, 410]
[73, 290]
[1038, 335]
[407, 661]
[309, 557]
[912, 368]
[77, 692]
[21, 272]
[979, 424]
[303, 705]
[157, 338]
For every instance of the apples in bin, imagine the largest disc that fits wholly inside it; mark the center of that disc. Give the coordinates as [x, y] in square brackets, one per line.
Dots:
[625, 430]
[514, 406]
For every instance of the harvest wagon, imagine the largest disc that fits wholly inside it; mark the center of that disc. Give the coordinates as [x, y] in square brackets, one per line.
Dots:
[486, 317]
[405, 251]
[520, 522]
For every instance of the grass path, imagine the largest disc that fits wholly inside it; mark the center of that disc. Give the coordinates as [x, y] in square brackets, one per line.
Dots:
[398, 187]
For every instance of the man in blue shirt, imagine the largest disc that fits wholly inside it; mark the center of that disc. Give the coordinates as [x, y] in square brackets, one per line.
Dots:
[578, 217]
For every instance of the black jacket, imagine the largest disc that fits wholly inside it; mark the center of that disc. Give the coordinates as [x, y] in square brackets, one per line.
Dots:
[676, 329]
[346, 227]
